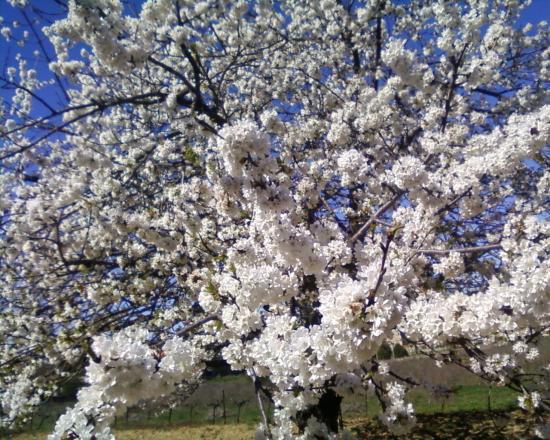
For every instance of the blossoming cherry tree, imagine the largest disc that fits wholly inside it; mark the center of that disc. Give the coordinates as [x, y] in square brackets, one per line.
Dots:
[281, 185]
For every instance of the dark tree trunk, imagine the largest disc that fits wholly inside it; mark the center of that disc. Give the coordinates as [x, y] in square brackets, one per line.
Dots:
[327, 411]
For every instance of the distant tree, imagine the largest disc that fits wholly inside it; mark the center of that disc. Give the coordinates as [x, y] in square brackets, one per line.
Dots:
[384, 352]
[399, 351]
[286, 185]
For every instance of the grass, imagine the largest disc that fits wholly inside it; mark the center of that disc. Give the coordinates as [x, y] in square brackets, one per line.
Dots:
[472, 425]
[194, 418]
[464, 399]
[205, 432]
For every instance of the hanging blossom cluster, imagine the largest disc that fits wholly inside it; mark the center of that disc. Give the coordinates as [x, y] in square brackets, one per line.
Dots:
[127, 372]
[398, 416]
[285, 186]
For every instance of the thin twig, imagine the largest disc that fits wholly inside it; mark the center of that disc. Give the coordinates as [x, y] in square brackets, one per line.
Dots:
[331, 210]
[367, 225]
[257, 387]
[466, 250]
[197, 324]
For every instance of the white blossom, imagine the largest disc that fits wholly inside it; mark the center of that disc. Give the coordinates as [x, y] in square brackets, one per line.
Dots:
[286, 187]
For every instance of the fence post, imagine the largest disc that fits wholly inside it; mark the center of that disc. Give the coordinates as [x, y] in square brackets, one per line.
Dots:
[214, 406]
[223, 408]
[240, 404]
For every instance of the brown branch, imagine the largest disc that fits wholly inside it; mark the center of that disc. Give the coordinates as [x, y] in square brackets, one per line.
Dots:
[452, 202]
[329, 208]
[199, 323]
[99, 107]
[385, 250]
[29, 91]
[378, 54]
[383, 223]
[45, 53]
[47, 135]
[452, 86]
[257, 387]
[367, 225]
[465, 250]
[173, 72]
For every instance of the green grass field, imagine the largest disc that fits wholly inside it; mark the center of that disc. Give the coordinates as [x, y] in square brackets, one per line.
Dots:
[195, 418]
[471, 425]
[465, 411]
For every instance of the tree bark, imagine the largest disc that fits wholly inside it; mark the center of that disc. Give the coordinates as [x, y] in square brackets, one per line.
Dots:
[327, 411]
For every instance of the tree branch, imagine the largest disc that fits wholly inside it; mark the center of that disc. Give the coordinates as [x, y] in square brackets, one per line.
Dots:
[367, 225]
[465, 250]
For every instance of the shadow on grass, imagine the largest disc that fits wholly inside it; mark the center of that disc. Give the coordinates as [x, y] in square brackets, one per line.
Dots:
[470, 425]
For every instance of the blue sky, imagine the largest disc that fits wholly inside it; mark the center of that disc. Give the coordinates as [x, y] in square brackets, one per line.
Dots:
[538, 10]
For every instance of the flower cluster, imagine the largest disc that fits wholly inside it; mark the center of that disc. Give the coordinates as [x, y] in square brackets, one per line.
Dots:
[399, 415]
[286, 186]
[128, 372]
